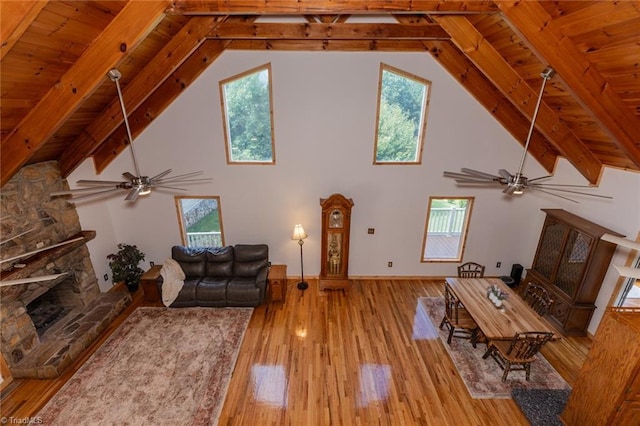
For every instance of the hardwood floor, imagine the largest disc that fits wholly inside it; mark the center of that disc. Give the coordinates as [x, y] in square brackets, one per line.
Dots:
[332, 358]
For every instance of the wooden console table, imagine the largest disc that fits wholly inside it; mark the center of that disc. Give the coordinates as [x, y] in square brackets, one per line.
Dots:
[278, 282]
[150, 288]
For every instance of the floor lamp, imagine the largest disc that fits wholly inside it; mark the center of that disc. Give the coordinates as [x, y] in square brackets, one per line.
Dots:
[300, 235]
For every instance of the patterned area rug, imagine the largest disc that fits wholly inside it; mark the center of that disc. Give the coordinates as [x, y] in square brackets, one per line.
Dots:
[161, 366]
[483, 376]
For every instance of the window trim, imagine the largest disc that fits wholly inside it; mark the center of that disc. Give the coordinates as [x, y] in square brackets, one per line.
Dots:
[424, 118]
[463, 237]
[225, 124]
[181, 225]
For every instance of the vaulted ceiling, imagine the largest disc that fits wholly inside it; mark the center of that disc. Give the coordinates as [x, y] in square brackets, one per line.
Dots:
[57, 102]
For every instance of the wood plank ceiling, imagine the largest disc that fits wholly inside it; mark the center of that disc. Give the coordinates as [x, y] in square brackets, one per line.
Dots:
[57, 103]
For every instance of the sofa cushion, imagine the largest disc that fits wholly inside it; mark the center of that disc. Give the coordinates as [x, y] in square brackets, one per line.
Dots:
[250, 259]
[219, 262]
[192, 260]
[212, 291]
[243, 292]
[187, 295]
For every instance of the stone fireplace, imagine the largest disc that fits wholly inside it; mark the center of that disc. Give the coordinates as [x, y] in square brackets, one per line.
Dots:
[51, 307]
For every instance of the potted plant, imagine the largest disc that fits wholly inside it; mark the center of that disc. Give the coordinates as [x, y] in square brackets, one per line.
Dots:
[124, 265]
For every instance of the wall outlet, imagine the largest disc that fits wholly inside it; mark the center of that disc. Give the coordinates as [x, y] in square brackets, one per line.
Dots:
[152, 264]
[389, 264]
[106, 277]
[499, 264]
[371, 231]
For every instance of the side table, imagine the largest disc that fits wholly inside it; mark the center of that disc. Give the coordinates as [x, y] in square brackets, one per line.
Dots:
[150, 288]
[278, 282]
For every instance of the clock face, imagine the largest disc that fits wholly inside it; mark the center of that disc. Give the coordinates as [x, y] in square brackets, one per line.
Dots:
[336, 219]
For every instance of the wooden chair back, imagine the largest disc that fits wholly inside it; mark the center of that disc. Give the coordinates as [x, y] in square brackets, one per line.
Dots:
[538, 298]
[457, 319]
[470, 270]
[526, 345]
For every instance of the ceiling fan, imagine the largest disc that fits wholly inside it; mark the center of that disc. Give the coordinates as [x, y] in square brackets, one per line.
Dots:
[518, 183]
[134, 184]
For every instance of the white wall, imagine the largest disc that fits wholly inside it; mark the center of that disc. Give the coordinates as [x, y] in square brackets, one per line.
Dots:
[324, 113]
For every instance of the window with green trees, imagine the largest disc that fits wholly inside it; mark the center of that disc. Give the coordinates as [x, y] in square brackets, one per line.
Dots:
[446, 229]
[248, 117]
[200, 220]
[403, 101]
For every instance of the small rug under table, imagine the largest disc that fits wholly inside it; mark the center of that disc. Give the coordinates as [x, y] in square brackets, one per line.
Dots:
[161, 366]
[482, 377]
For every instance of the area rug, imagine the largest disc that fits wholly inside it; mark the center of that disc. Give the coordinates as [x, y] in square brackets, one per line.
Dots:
[541, 406]
[161, 366]
[483, 376]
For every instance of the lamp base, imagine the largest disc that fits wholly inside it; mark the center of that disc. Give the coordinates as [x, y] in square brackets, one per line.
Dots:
[303, 285]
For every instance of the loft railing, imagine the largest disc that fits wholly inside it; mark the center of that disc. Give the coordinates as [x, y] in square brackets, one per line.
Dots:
[204, 239]
[446, 221]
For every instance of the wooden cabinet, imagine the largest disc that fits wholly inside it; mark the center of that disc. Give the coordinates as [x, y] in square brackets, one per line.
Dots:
[571, 262]
[334, 254]
[148, 280]
[278, 282]
[607, 391]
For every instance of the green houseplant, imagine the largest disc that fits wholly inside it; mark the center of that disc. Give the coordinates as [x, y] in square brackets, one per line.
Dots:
[124, 265]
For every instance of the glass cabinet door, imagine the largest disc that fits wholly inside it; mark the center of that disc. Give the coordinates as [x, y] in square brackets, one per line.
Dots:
[573, 262]
[550, 249]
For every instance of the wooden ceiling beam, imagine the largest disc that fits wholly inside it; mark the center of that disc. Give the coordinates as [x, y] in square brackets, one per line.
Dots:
[537, 28]
[330, 45]
[168, 59]
[127, 29]
[15, 18]
[507, 80]
[153, 106]
[320, 31]
[311, 7]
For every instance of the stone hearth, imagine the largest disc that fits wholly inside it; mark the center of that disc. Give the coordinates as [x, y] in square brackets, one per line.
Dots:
[39, 222]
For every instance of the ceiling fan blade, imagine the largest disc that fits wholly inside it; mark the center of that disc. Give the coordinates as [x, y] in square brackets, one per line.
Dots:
[161, 175]
[183, 176]
[99, 182]
[169, 187]
[466, 176]
[505, 174]
[478, 173]
[129, 176]
[539, 178]
[133, 194]
[77, 191]
[546, 187]
[478, 182]
[551, 193]
[155, 183]
[509, 190]
[98, 194]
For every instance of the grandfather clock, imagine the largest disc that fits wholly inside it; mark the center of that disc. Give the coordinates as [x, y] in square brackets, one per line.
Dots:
[336, 225]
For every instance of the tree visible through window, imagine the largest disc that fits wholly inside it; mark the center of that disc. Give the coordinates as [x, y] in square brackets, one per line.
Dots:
[248, 120]
[446, 228]
[403, 100]
[200, 221]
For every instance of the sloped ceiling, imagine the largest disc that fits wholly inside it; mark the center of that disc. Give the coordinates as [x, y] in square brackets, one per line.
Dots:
[58, 104]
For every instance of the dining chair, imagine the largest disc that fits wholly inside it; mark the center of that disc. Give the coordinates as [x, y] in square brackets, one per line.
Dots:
[457, 319]
[518, 353]
[538, 298]
[470, 270]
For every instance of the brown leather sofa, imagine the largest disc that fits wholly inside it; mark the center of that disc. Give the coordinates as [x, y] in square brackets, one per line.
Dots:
[221, 276]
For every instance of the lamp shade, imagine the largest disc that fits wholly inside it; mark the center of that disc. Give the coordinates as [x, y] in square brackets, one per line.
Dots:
[298, 233]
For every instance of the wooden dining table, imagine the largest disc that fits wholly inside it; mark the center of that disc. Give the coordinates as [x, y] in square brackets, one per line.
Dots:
[497, 323]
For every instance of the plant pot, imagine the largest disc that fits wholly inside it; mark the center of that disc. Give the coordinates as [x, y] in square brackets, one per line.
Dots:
[133, 287]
